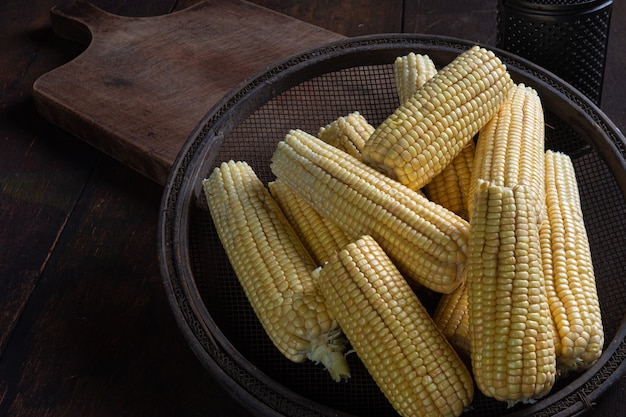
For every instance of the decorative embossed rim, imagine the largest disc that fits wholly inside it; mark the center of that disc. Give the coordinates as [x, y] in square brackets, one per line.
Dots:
[257, 392]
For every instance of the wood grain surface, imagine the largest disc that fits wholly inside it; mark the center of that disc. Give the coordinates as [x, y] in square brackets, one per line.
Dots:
[85, 327]
[142, 84]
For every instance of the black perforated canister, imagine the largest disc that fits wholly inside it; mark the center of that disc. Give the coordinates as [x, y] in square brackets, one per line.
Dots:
[566, 37]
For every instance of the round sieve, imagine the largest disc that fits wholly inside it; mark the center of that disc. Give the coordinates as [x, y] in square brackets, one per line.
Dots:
[307, 91]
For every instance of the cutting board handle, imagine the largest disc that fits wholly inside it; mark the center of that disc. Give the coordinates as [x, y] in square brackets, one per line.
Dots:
[78, 20]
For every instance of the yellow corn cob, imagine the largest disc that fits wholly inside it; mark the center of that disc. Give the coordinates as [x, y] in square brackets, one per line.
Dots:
[568, 270]
[392, 333]
[410, 72]
[450, 187]
[510, 149]
[452, 317]
[424, 134]
[320, 236]
[546, 259]
[273, 268]
[512, 348]
[427, 241]
[347, 133]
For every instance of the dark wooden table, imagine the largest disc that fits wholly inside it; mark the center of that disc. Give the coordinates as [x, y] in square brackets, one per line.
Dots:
[85, 327]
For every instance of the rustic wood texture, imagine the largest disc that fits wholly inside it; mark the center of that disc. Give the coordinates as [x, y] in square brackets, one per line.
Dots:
[143, 84]
[85, 328]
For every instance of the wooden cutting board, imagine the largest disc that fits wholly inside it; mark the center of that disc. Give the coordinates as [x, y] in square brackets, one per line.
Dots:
[143, 84]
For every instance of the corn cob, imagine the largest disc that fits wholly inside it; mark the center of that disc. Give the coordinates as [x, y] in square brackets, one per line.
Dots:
[273, 268]
[410, 72]
[424, 134]
[321, 237]
[512, 348]
[392, 333]
[347, 133]
[545, 260]
[510, 149]
[427, 241]
[452, 317]
[450, 187]
[568, 269]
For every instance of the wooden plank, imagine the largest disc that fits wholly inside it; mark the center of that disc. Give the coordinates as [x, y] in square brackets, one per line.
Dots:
[42, 170]
[34, 209]
[143, 84]
[98, 337]
[473, 20]
[350, 18]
